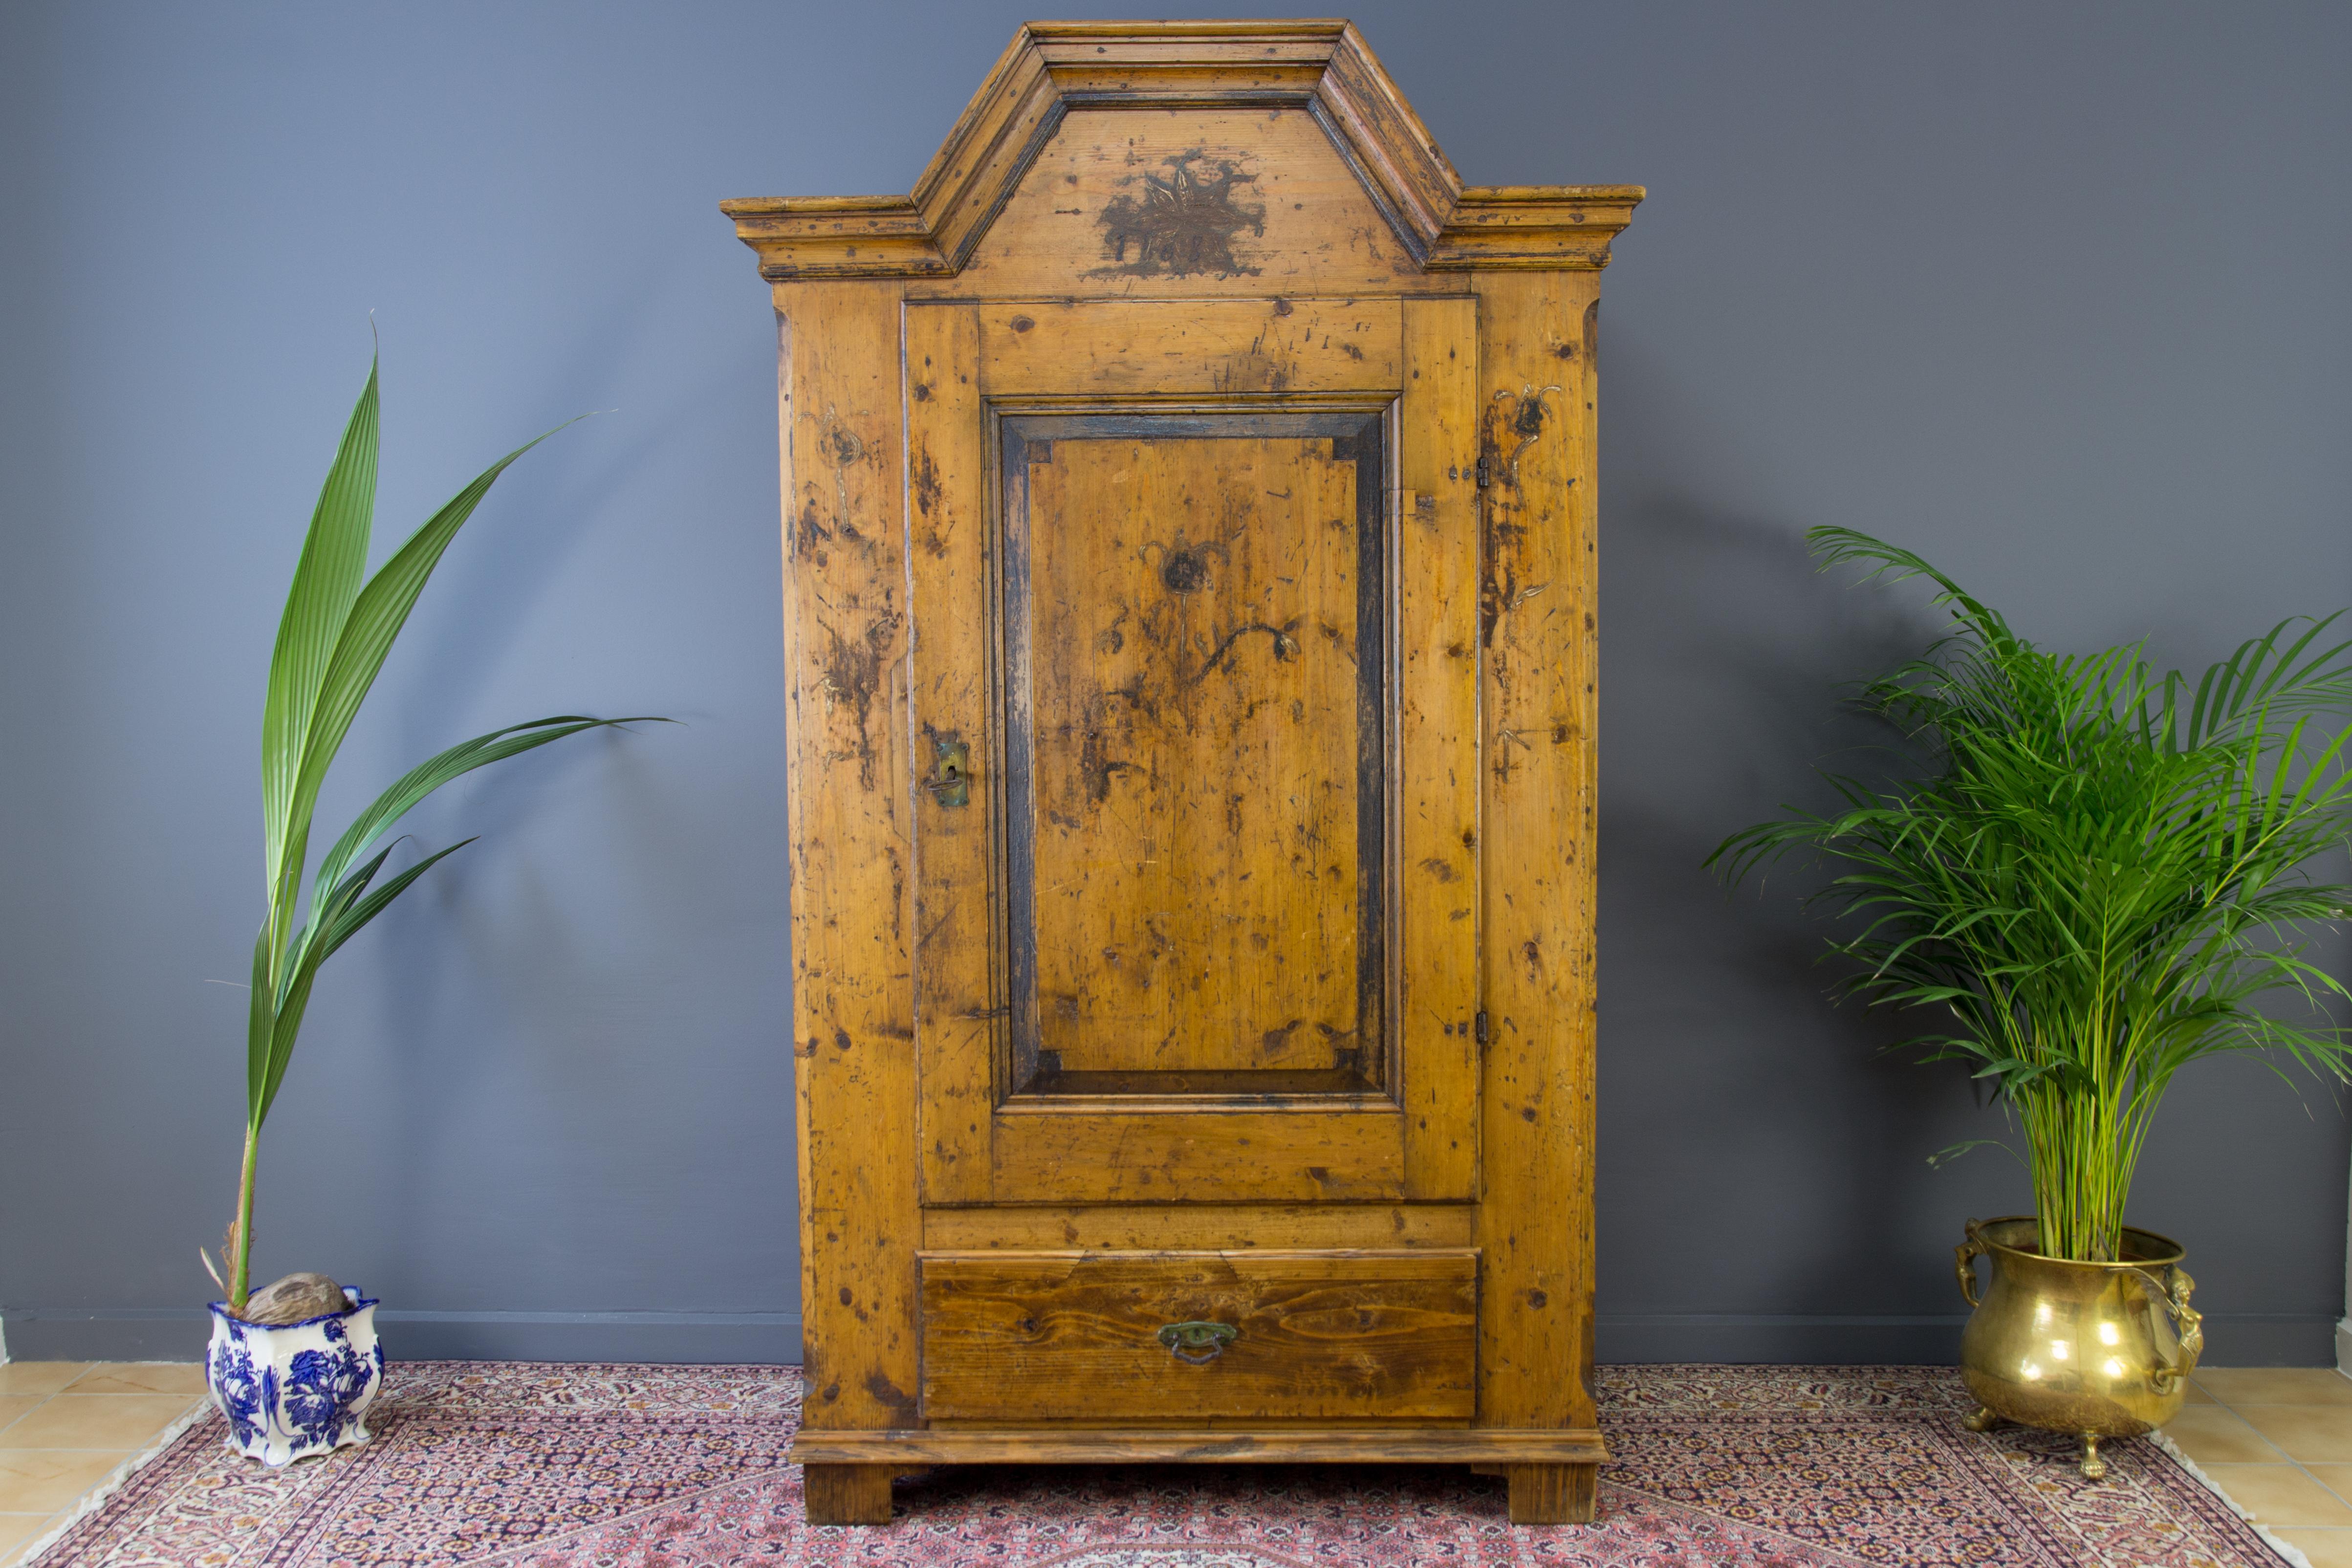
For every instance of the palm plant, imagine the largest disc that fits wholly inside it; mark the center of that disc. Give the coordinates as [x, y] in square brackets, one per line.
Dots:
[339, 625]
[2099, 874]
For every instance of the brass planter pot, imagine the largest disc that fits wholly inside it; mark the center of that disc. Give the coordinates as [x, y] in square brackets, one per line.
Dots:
[2093, 1350]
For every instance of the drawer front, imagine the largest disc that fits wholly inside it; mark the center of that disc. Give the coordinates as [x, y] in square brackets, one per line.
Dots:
[1116, 1336]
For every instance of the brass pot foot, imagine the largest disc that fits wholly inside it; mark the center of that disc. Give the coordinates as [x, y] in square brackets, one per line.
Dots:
[1984, 1420]
[2095, 1469]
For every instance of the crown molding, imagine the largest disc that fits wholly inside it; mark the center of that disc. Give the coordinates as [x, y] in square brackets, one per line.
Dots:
[1051, 67]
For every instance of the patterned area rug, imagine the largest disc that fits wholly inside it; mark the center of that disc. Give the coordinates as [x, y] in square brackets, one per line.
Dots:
[528, 1466]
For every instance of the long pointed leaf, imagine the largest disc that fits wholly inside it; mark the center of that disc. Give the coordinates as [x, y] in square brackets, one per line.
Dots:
[431, 774]
[327, 581]
[348, 924]
[299, 968]
[375, 619]
[313, 949]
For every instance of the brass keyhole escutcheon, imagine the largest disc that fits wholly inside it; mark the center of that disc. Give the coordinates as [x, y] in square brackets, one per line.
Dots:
[1198, 1342]
[951, 778]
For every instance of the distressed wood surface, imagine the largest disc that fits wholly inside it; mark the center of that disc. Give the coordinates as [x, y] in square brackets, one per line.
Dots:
[1207, 347]
[1189, 201]
[1129, 1228]
[1098, 1150]
[1110, 75]
[1436, 766]
[848, 807]
[961, 1010]
[1537, 635]
[1553, 1494]
[1217, 1038]
[1315, 1335]
[847, 1494]
[1264, 942]
[1396, 1444]
[1194, 683]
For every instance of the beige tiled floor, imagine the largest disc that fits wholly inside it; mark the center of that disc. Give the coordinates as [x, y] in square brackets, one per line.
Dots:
[2277, 1439]
[65, 1426]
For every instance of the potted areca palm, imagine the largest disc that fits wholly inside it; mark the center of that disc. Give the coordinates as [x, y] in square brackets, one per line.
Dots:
[2098, 878]
[294, 1367]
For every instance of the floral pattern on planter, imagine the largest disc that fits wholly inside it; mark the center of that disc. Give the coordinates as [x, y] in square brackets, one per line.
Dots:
[292, 1389]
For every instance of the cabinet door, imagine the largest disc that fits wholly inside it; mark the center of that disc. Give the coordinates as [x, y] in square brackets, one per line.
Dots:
[1195, 631]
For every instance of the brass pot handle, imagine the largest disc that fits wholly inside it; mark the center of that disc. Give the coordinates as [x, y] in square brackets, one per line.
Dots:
[1964, 1262]
[2187, 1323]
[1198, 1342]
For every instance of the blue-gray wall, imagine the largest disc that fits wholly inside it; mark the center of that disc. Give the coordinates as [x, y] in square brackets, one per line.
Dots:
[2058, 295]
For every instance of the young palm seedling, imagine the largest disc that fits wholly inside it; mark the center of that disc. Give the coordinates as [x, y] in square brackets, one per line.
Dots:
[339, 622]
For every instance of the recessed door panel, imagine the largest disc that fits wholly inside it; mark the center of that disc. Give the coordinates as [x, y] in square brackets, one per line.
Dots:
[1199, 764]
[1192, 700]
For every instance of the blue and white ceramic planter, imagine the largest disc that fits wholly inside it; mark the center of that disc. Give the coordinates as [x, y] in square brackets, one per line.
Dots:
[292, 1389]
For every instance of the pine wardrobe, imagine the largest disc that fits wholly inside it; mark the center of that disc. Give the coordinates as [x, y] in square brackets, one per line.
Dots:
[1189, 589]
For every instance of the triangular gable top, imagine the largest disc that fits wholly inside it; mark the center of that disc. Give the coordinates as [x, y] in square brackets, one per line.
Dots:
[1051, 67]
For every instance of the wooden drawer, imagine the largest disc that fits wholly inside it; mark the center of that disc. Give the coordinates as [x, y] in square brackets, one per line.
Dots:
[1079, 1335]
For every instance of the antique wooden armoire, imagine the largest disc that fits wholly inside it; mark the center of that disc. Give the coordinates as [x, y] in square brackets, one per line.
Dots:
[1189, 583]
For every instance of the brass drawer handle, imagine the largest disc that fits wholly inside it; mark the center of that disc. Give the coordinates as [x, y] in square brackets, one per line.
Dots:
[1198, 1342]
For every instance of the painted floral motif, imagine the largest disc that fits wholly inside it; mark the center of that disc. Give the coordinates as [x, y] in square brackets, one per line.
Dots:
[236, 1387]
[289, 1391]
[1185, 223]
[525, 1466]
[322, 1387]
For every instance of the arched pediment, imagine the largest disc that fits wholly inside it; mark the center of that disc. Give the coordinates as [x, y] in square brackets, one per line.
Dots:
[1317, 73]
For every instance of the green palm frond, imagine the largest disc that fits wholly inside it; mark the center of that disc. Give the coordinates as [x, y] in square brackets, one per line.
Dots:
[339, 625]
[2100, 876]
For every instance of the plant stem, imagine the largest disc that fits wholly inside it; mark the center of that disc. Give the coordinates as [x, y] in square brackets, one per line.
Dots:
[240, 1264]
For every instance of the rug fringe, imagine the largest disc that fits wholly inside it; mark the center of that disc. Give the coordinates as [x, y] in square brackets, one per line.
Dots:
[2286, 1549]
[95, 1499]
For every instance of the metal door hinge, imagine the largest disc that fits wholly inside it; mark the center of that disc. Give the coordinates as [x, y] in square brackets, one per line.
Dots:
[1481, 1025]
[1485, 471]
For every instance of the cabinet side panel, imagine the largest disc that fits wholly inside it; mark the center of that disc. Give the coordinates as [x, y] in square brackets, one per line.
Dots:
[1537, 633]
[959, 1002]
[844, 588]
[1436, 759]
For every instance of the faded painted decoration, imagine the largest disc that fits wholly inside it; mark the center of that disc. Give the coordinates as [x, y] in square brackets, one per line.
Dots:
[1185, 222]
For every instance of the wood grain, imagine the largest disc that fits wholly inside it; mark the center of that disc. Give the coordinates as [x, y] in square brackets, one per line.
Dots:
[847, 1494]
[1257, 977]
[848, 807]
[1538, 636]
[1436, 771]
[1189, 201]
[1193, 630]
[961, 1012]
[1399, 1444]
[1288, 1154]
[1132, 1227]
[1553, 1494]
[1098, 1150]
[1317, 72]
[1194, 347]
[1316, 1334]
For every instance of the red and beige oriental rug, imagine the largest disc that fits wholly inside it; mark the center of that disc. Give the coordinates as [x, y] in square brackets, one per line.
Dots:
[525, 1466]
